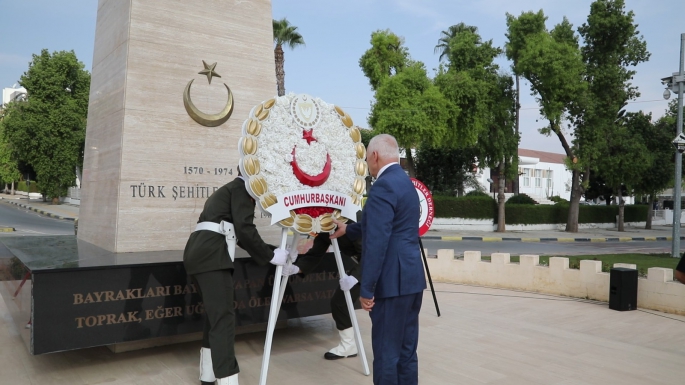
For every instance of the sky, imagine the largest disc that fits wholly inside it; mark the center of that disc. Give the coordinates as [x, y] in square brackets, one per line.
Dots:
[337, 34]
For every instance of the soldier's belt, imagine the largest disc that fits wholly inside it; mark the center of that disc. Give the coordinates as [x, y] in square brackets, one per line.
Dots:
[224, 228]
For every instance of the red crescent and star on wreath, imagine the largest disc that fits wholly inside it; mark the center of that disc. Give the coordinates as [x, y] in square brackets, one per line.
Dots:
[303, 177]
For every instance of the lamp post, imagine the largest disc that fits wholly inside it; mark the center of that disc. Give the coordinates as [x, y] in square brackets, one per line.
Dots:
[676, 83]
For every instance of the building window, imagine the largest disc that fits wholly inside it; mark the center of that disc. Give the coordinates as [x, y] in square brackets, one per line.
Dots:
[538, 178]
[526, 177]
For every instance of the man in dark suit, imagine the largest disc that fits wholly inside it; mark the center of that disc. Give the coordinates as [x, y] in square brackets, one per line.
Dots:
[393, 278]
[208, 258]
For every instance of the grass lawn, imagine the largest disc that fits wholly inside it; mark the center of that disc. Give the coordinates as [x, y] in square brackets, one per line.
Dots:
[643, 261]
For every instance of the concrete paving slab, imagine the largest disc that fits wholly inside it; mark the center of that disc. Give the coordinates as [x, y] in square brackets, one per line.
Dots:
[485, 336]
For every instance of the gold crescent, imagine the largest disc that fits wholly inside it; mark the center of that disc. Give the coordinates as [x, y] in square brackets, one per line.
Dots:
[208, 120]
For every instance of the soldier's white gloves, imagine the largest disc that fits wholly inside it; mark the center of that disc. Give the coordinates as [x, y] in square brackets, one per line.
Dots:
[290, 269]
[280, 257]
[347, 282]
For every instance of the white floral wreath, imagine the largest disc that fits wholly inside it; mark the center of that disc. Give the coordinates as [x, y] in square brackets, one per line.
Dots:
[304, 162]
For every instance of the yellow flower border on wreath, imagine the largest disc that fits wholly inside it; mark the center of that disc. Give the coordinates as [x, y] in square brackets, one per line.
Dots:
[302, 223]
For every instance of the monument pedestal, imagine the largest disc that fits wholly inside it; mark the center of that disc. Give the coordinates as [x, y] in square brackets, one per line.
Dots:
[75, 295]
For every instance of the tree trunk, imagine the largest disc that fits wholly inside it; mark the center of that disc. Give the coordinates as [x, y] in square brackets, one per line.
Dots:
[574, 206]
[501, 224]
[621, 207]
[650, 212]
[410, 162]
[12, 187]
[280, 71]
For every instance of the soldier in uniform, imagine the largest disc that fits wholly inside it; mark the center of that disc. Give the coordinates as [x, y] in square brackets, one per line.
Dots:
[309, 261]
[227, 219]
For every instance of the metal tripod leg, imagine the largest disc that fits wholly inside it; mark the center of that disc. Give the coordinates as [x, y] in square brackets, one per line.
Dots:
[428, 273]
[273, 313]
[350, 309]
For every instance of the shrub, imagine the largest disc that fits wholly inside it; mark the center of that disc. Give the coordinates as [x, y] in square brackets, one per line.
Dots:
[21, 186]
[521, 199]
[558, 200]
[474, 207]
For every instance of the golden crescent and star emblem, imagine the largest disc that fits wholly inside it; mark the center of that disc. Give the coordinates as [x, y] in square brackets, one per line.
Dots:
[208, 120]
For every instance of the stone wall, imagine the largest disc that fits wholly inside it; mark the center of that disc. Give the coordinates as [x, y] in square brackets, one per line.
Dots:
[657, 292]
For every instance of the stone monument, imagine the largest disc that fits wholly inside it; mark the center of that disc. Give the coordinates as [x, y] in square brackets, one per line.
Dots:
[171, 86]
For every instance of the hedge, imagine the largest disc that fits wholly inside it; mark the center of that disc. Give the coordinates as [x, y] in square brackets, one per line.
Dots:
[486, 208]
[472, 207]
[21, 186]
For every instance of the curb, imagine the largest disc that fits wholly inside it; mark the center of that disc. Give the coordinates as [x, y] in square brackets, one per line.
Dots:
[568, 240]
[7, 229]
[42, 212]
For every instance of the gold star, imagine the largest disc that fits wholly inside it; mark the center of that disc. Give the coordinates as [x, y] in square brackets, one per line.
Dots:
[209, 71]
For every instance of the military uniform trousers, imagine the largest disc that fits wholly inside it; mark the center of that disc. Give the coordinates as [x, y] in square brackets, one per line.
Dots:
[339, 311]
[216, 289]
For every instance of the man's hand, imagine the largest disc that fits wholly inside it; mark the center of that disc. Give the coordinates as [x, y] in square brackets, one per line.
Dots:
[347, 282]
[280, 257]
[341, 229]
[367, 303]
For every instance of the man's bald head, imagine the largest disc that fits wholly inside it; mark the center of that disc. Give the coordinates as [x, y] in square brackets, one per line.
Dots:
[382, 150]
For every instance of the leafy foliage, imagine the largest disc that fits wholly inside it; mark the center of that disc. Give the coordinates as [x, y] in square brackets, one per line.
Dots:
[474, 207]
[48, 130]
[521, 199]
[284, 34]
[446, 171]
[387, 56]
[9, 167]
[408, 106]
[558, 200]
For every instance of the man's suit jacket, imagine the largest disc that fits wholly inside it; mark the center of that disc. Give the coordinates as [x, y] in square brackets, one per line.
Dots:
[391, 255]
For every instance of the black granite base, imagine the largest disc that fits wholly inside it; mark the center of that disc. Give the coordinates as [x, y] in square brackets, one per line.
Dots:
[75, 295]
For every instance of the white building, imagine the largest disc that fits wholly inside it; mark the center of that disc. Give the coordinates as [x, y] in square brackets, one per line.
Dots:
[12, 93]
[541, 176]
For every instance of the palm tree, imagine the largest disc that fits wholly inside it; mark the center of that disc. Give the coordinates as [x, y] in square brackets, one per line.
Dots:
[443, 45]
[284, 34]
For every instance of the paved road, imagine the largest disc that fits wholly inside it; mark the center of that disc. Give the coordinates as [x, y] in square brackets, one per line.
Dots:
[30, 223]
[27, 222]
[551, 248]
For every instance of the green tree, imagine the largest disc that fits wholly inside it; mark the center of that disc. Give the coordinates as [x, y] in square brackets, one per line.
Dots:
[386, 57]
[407, 104]
[9, 167]
[552, 63]
[409, 107]
[447, 171]
[498, 145]
[284, 34]
[48, 130]
[443, 46]
[518, 31]
[467, 82]
[483, 117]
[625, 157]
[657, 139]
[612, 44]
